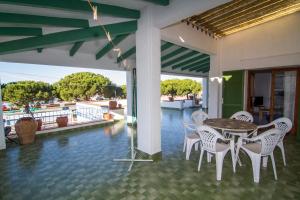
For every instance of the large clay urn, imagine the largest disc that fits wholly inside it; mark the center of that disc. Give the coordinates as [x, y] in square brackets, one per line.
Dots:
[25, 129]
[62, 121]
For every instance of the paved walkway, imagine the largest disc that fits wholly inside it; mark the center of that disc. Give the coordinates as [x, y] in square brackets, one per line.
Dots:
[78, 165]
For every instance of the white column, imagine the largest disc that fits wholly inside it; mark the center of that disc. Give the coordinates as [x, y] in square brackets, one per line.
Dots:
[204, 92]
[2, 136]
[129, 88]
[214, 82]
[148, 83]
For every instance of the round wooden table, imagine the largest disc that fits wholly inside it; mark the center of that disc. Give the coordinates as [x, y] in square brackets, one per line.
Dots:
[230, 125]
[233, 127]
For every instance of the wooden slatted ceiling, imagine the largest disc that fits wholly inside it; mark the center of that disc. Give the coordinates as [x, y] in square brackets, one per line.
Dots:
[238, 15]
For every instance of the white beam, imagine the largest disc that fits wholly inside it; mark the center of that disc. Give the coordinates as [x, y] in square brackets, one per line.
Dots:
[148, 83]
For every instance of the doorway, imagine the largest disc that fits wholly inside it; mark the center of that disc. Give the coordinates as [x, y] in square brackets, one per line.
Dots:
[273, 93]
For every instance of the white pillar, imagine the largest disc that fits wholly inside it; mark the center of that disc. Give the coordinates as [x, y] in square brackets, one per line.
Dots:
[2, 136]
[215, 84]
[204, 92]
[129, 82]
[148, 83]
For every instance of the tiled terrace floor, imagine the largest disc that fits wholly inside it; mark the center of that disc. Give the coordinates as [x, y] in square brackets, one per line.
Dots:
[78, 165]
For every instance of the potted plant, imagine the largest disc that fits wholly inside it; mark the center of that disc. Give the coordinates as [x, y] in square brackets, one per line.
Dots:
[39, 124]
[25, 129]
[107, 116]
[112, 105]
[62, 121]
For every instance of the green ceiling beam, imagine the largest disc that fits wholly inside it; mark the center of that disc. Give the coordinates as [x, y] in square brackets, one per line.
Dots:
[75, 48]
[66, 37]
[190, 61]
[200, 66]
[203, 70]
[42, 20]
[160, 2]
[166, 46]
[205, 61]
[110, 46]
[173, 53]
[20, 31]
[79, 6]
[126, 54]
[180, 58]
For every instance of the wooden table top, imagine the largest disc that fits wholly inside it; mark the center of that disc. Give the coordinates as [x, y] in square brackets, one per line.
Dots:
[230, 124]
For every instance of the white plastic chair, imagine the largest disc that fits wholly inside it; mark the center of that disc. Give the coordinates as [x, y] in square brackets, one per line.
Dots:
[285, 125]
[243, 116]
[191, 138]
[199, 116]
[260, 146]
[214, 143]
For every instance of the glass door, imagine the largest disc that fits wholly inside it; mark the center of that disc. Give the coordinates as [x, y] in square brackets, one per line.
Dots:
[283, 94]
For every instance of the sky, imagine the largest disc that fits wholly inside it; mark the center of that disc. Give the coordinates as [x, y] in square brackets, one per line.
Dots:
[10, 72]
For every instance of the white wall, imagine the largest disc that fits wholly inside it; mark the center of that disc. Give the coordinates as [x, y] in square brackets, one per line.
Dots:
[272, 44]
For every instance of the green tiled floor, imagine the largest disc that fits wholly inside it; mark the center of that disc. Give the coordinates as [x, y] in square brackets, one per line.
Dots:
[78, 165]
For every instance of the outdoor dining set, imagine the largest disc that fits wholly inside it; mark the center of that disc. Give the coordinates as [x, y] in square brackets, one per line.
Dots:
[218, 136]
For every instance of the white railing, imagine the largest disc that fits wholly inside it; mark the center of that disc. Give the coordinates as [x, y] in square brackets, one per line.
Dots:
[49, 116]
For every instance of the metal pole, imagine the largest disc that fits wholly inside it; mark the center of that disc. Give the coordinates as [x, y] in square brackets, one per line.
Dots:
[132, 148]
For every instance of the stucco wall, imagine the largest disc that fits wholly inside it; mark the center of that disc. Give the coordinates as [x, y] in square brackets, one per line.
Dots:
[272, 44]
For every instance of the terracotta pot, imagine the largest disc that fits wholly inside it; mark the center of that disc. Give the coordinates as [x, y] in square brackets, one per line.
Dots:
[171, 99]
[112, 105]
[107, 116]
[62, 121]
[39, 124]
[191, 97]
[119, 105]
[25, 129]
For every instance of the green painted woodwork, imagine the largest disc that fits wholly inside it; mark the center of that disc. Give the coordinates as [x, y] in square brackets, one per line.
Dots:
[233, 93]
[79, 6]
[180, 58]
[110, 46]
[166, 46]
[75, 48]
[42, 20]
[203, 69]
[173, 53]
[159, 2]
[200, 67]
[190, 61]
[20, 31]
[126, 54]
[66, 37]
[196, 64]
[40, 50]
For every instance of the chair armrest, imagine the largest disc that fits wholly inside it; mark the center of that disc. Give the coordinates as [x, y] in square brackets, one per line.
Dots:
[190, 126]
[264, 126]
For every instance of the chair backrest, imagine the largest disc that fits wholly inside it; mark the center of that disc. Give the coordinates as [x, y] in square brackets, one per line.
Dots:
[269, 140]
[199, 116]
[209, 137]
[284, 124]
[243, 116]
